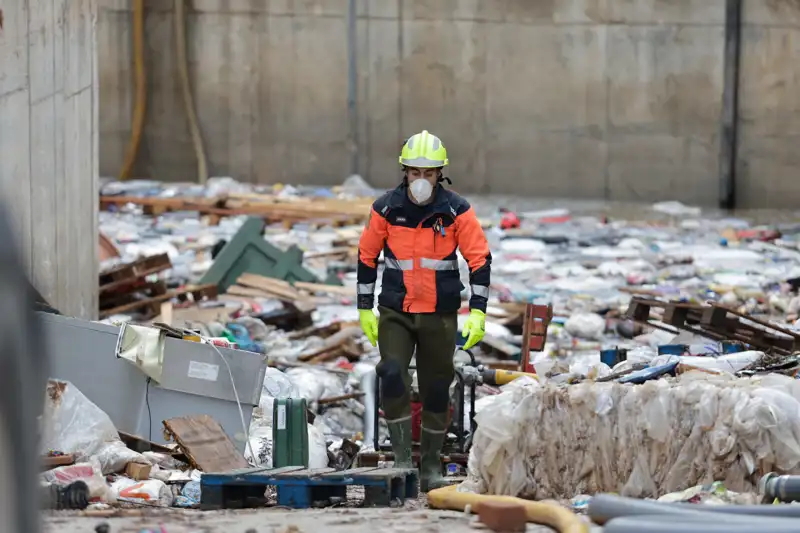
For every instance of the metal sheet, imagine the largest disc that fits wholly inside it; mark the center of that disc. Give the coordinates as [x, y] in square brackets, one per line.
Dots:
[82, 352]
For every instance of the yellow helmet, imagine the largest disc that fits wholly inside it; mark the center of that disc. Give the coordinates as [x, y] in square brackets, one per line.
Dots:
[424, 150]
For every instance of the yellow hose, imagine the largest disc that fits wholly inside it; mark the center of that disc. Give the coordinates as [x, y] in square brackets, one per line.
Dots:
[188, 102]
[503, 377]
[140, 104]
[547, 514]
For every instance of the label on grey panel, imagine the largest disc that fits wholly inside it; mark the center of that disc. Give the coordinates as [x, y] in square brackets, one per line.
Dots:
[206, 371]
[281, 417]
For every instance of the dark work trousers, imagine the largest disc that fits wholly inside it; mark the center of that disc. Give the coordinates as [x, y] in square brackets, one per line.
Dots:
[434, 337]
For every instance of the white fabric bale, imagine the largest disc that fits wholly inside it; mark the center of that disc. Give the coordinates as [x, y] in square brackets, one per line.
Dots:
[550, 441]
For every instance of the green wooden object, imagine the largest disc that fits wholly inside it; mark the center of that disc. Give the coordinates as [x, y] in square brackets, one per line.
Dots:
[248, 252]
[289, 432]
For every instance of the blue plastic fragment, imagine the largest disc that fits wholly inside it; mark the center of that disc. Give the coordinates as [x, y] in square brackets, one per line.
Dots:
[640, 376]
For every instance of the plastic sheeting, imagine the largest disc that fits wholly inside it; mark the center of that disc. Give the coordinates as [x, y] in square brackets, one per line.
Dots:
[549, 441]
[73, 424]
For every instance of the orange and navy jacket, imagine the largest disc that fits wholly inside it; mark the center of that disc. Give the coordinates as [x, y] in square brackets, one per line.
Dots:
[419, 246]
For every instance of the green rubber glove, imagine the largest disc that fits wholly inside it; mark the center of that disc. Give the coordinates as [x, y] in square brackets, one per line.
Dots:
[474, 329]
[369, 324]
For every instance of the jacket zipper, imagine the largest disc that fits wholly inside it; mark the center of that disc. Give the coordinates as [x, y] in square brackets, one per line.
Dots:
[419, 226]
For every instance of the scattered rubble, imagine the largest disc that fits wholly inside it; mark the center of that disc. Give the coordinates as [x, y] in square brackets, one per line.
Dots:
[668, 364]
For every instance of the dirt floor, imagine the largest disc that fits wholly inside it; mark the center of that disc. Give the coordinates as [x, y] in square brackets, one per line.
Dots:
[346, 520]
[413, 517]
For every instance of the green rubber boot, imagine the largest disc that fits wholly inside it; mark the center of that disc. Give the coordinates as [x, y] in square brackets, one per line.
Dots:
[430, 465]
[400, 436]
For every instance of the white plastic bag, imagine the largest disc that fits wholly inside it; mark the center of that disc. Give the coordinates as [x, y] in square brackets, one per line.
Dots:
[149, 491]
[586, 326]
[89, 473]
[276, 385]
[317, 448]
[261, 446]
[75, 425]
[314, 384]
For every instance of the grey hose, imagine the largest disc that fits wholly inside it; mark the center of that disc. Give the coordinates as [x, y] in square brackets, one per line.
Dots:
[784, 488]
[699, 524]
[605, 507]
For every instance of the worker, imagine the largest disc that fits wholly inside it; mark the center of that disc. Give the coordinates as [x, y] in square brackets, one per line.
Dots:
[419, 226]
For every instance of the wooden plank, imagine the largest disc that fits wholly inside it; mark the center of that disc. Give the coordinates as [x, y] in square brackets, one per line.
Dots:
[133, 306]
[205, 443]
[331, 343]
[277, 287]
[131, 273]
[349, 292]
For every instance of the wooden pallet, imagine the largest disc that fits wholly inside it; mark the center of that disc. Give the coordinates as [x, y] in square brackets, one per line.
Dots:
[715, 322]
[197, 292]
[301, 488]
[270, 208]
[131, 273]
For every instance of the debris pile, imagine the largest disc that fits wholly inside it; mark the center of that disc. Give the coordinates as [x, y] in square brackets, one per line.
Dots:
[666, 360]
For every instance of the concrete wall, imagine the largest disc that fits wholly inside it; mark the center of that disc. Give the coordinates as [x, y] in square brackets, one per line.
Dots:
[616, 99]
[48, 144]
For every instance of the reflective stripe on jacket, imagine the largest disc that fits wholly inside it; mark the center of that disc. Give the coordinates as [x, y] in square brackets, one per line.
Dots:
[419, 246]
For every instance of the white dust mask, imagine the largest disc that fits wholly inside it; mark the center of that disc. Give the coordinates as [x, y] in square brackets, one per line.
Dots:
[421, 190]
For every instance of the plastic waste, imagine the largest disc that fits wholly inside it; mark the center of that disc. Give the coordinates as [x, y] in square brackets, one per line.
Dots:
[148, 491]
[586, 326]
[261, 445]
[189, 496]
[89, 473]
[73, 424]
[317, 448]
[530, 440]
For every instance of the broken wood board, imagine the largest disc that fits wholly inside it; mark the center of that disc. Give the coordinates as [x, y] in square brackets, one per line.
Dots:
[205, 443]
[317, 331]
[335, 343]
[269, 207]
[130, 273]
[336, 399]
[342, 251]
[338, 290]
[188, 315]
[198, 292]
[277, 287]
[107, 248]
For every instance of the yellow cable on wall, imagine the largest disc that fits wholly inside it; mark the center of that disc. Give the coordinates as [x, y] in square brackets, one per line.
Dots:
[140, 79]
[186, 90]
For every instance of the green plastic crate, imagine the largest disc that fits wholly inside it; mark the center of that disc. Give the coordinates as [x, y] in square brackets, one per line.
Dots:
[289, 432]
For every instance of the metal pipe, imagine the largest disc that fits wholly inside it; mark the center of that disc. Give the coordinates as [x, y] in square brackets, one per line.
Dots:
[376, 418]
[352, 83]
[730, 105]
[699, 524]
[606, 507]
[368, 384]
